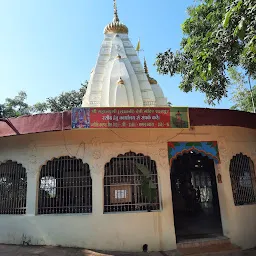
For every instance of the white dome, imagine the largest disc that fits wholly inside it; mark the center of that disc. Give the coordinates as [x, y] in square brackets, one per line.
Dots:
[159, 95]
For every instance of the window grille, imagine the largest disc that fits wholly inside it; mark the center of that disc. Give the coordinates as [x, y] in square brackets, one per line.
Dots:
[127, 188]
[65, 187]
[243, 180]
[13, 188]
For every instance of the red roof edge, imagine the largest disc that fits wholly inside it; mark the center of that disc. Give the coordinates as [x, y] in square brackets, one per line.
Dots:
[62, 121]
[221, 117]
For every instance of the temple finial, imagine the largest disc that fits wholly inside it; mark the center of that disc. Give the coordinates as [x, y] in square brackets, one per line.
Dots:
[115, 26]
[145, 66]
[120, 81]
[116, 19]
[150, 79]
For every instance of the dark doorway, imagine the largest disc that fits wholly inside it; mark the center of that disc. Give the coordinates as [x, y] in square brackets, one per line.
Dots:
[195, 197]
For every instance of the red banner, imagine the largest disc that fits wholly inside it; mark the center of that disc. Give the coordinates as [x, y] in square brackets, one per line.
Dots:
[130, 118]
[154, 117]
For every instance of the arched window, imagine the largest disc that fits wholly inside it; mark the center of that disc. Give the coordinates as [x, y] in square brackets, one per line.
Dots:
[13, 188]
[65, 187]
[243, 181]
[130, 184]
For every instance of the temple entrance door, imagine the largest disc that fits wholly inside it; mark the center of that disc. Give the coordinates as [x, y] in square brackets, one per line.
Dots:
[195, 197]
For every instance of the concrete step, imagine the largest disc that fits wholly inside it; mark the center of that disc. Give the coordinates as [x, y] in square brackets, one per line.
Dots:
[211, 246]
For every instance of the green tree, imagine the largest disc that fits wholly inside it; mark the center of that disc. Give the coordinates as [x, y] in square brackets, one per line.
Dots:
[17, 106]
[242, 97]
[39, 107]
[65, 101]
[218, 34]
[241, 22]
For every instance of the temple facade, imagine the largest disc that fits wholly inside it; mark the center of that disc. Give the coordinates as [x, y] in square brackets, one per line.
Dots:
[126, 172]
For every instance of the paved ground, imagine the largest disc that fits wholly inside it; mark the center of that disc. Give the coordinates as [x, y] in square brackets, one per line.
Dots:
[12, 250]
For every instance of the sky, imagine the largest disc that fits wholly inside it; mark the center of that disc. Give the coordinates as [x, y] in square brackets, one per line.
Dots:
[50, 46]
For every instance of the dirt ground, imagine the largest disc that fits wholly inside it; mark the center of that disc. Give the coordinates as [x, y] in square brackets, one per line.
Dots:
[15, 250]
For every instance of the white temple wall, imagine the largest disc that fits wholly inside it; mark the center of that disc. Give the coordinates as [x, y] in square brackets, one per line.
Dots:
[130, 230]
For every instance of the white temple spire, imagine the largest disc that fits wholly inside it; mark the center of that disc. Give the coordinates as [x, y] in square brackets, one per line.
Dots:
[118, 79]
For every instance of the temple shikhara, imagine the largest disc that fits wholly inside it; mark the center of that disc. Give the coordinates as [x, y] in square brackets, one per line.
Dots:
[118, 79]
[126, 172]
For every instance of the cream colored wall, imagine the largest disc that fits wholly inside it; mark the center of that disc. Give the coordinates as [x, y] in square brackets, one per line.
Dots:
[121, 231]
[241, 227]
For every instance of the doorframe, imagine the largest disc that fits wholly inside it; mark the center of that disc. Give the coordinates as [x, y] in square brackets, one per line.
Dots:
[206, 148]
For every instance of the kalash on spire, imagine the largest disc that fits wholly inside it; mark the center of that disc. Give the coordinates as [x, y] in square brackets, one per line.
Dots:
[116, 26]
[119, 79]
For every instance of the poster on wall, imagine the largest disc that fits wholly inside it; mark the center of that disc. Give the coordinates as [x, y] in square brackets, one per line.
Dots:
[80, 118]
[162, 117]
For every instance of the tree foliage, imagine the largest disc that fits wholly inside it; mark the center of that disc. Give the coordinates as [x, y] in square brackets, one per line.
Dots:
[17, 106]
[218, 34]
[243, 100]
[242, 97]
[65, 101]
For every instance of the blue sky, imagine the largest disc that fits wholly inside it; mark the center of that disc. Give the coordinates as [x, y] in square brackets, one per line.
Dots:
[51, 46]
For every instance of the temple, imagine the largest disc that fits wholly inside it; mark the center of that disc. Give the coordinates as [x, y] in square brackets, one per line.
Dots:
[118, 79]
[126, 172]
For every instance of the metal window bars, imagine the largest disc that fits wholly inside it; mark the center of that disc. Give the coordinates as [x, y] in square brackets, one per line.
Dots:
[65, 187]
[243, 181]
[125, 184]
[13, 188]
